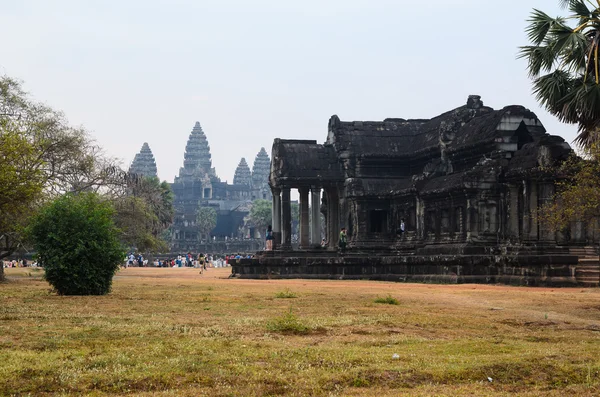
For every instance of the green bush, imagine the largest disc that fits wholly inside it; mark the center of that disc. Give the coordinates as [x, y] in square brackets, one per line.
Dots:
[78, 244]
[289, 323]
[388, 300]
[287, 294]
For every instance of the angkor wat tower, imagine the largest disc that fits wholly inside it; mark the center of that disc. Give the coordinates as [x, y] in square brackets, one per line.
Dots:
[260, 176]
[199, 186]
[143, 163]
[242, 176]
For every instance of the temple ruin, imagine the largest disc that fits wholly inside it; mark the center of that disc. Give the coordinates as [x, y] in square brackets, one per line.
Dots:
[467, 183]
[198, 185]
[144, 163]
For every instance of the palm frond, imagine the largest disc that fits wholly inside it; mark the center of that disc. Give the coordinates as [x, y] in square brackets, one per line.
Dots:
[551, 89]
[540, 24]
[540, 58]
[580, 9]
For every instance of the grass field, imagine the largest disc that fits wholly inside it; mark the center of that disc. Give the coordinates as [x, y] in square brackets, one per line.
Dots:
[174, 332]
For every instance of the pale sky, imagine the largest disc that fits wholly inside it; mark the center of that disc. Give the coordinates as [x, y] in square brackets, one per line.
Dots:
[133, 71]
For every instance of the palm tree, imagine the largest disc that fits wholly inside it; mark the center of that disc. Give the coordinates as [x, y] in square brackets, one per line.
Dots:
[563, 63]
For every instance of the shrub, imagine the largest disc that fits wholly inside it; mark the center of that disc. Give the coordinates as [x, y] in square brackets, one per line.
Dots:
[388, 300]
[78, 244]
[289, 323]
[287, 294]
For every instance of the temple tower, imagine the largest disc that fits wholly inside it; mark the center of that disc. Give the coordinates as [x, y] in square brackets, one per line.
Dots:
[144, 163]
[242, 176]
[260, 175]
[197, 159]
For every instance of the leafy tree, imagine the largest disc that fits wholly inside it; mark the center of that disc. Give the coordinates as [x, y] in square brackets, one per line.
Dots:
[21, 186]
[78, 244]
[578, 194]
[563, 62]
[144, 213]
[261, 214]
[41, 157]
[206, 219]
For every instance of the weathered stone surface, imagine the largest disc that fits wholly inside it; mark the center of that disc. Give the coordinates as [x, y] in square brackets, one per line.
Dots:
[242, 175]
[198, 185]
[144, 163]
[468, 184]
[260, 175]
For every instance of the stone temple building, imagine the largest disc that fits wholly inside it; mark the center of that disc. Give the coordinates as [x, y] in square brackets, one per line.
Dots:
[467, 183]
[198, 185]
[144, 163]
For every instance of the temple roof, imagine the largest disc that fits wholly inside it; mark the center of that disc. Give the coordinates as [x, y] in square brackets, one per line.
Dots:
[144, 163]
[197, 151]
[467, 125]
[261, 168]
[242, 176]
[451, 149]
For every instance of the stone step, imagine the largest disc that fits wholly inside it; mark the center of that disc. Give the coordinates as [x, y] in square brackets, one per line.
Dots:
[588, 272]
[587, 251]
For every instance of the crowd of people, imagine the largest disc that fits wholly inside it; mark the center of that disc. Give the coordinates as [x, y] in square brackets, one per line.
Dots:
[18, 263]
[201, 260]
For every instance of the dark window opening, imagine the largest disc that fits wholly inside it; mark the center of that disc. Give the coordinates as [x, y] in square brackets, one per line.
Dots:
[523, 135]
[378, 220]
[207, 193]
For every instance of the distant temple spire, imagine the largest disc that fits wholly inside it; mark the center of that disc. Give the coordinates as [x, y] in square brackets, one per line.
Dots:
[261, 169]
[144, 163]
[197, 150]
[196, 159]
[242, 176]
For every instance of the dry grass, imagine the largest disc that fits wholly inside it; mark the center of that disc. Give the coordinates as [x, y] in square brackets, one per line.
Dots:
[173, 332]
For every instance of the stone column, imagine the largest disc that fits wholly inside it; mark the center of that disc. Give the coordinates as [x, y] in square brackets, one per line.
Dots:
[315, 217]
[334, 220]
[304, 231]
[513, 215]
[472, 222]
[276, 217]
[533, 208]
[286, 220]
[546, 195]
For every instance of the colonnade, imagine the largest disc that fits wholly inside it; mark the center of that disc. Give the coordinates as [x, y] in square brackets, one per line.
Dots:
[310, 217]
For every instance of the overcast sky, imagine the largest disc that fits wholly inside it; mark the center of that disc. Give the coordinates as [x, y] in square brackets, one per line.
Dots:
[134, 71]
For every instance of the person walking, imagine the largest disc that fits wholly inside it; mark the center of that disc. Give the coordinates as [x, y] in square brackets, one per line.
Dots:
[269, 238]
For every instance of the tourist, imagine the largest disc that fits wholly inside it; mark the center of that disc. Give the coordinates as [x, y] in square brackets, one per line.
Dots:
[343, 240]
[323, 243]
[269, 238]
[201, 262]
[401, 229]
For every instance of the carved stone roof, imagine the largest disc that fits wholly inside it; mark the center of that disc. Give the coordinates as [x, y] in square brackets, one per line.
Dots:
[303, 162]
[197, 150]
[242, 176]
[470, 144]
[197, 159]
[144, 163]
[261, 169]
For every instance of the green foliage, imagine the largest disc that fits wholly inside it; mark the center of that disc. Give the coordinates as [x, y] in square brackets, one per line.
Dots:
[78, 244]
[388, 300]
[286, 294]
[261, 214]
[289, 323]
[563, 62]
[144, 214]
[206, 219]
[577, 195]
[41, 157]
